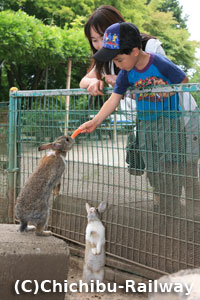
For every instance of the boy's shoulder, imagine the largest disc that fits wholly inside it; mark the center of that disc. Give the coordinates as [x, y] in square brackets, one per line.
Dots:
[157, 61]
[167, 68]
[158, 58]
[162, 62]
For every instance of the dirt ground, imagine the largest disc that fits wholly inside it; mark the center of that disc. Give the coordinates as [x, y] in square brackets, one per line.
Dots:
[75, 274]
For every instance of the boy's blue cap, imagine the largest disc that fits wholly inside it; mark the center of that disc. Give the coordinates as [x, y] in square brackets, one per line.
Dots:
[117, 37]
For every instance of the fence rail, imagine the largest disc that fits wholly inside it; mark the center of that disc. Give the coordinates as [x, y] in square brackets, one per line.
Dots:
[151, 219]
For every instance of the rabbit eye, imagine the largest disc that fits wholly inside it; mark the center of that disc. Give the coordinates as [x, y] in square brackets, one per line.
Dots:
[67, 139]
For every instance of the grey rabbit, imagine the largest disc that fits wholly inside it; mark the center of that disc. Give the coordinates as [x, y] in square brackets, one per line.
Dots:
[33, 201]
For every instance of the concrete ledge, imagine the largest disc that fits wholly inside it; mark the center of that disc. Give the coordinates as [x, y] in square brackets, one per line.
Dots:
[25, 256]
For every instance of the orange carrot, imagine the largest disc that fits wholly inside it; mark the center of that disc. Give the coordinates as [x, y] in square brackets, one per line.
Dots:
[76, 132]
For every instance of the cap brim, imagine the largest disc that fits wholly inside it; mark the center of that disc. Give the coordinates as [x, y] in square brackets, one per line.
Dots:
[105, 54]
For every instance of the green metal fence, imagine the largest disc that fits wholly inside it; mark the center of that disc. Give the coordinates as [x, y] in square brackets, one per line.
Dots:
[152, 219]
[3, 162]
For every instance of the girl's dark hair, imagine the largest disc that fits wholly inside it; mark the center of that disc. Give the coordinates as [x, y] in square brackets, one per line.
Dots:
[100, 20]
[145, 37]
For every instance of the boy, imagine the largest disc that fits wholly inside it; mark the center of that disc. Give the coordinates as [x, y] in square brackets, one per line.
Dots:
[160, 138]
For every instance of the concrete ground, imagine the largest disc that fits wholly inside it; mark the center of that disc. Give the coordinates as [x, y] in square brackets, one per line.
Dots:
[75, 274]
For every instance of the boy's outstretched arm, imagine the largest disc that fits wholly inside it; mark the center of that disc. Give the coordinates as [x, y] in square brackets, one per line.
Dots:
[108, 107]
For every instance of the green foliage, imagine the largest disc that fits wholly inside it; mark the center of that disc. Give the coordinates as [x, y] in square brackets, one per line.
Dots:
[25, 38]
[52, 11]
[134, 11]
[177, 11]
[175, 41]
[195, 77]
[75, 44]
[28, 47]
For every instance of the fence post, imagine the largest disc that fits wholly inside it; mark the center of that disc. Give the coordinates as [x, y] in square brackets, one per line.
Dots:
[12, 154]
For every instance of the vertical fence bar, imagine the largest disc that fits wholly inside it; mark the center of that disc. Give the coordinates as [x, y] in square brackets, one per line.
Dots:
[18, 144]
[12, 155]
[3, 161]
[67, 100]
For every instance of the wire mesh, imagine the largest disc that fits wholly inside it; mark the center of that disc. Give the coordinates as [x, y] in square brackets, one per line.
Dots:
[152, 217]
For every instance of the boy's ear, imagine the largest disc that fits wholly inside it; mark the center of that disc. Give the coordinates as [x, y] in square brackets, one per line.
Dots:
[136, 51]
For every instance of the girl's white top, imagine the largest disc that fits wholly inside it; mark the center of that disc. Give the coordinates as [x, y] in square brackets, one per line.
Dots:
[154, 45]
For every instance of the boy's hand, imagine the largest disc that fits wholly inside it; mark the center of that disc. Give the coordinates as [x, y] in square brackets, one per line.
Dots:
[95, 87]
[88, 127]
[160, 82]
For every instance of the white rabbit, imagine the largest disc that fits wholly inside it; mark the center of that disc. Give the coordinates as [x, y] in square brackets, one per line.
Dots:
[95, 245]
[33, 201]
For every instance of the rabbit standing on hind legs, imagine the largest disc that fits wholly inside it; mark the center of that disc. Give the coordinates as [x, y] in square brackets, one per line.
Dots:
[95, 245]
[33, 201]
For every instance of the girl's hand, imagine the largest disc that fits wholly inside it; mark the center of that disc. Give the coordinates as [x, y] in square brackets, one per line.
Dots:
[110, 79]
[95, 87]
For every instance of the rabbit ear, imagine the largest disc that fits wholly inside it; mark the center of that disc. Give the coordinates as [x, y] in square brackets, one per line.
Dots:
[53, 146]
[101, 207]
[45, 147]
[56, 146]
[87, 206]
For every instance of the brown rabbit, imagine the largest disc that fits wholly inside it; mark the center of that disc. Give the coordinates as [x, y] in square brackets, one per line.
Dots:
[33, 201]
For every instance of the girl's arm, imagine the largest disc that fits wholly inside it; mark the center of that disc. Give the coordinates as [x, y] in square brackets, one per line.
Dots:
[92, 83]
[110, 79]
